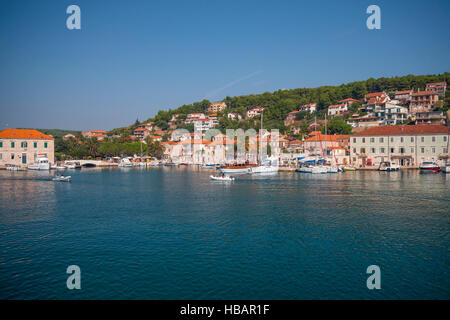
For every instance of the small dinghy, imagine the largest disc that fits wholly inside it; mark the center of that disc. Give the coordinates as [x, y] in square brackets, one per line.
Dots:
[62, 178]
[222, 178]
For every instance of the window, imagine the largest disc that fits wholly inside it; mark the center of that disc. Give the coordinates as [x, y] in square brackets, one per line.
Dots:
[363, 150]
[354, 140]
[433, 139]
[445, 139]
[35, 144]
[392, 139]
[13, 144]
[363, 140]
[1, 156]
[392, 150]
[1, 144]
[381, 150]
[45, 144]
[401, 139]
[412, 139]
[433, 150]
[354, 150]
[372, 150]
[24, 144]
[412, 150]
[372, 139]
[402, 150]
[381, 140]
[12, 156]
[422, 150]
[422, 139]
[444, 150]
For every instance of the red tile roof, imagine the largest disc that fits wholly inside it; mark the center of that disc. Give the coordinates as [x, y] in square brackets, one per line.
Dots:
[424, 93]
[24, 134]
[403, 92]
[374, 94]
[349, 99]
[404, 130]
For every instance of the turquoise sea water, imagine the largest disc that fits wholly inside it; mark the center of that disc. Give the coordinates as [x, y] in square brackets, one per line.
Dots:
[171, 233]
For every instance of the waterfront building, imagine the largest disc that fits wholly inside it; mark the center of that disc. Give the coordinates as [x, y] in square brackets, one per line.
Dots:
[254, 112]
[438, 87]
[310, 107]
[21, 147]
[217, 107]
[316, 144]
[406, 145]
[337, 109]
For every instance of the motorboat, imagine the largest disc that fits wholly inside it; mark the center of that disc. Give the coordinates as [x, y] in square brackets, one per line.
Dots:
[62, 178]
[236, 168]
[222, 178]
[348, 168]
[264, 169]
[72, 165]
[388, 166]
[429, 166]
[14, 167]
[40, 164]
[125, 163]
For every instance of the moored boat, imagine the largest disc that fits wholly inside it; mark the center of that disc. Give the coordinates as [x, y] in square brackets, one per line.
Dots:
[237, 168]
[388, 166]
[62, 178]
[429, 166]
[40, 164]
[222, 178]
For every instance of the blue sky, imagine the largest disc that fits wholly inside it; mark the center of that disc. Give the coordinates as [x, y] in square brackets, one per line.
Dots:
[133, 58]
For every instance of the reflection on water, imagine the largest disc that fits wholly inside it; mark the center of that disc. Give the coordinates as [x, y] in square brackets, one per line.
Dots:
[172, 233]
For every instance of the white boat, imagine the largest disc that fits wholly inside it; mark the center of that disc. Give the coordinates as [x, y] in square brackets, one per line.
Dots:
[60, 167]
[332, 169]
[72, 165]
[222, 178]
[62, 178]
[125, 163]
[40, 164]
[319, 169]
[235, 169]
[428, 166]
[388, 166]
[305, 169]
[264, 169]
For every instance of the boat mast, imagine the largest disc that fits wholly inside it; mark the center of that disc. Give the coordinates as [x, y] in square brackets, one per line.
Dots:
[315, 139]
[326, 134]
[260, 138]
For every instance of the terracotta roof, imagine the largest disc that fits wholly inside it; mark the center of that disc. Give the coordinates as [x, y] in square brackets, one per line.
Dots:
[403, 92]
[24, 134]
[374, 94]
[328, 137]
[337, 106]
[424, 93]
[349, 99]
[431, 83]
[295, 111]
[404, 130]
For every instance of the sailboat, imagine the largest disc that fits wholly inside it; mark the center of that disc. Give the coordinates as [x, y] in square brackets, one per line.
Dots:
[330, 169]
[315, 168]
[265, 166]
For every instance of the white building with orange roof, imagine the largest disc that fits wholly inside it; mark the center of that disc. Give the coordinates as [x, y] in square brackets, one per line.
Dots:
[403, 96]
[203, 124]
[310, 107]
[379, 95]
[254, 112]
[348, 101]
[21, 147]
[194, 116]
[337, 109]
[99, 134]
[217, 107]
[423, 101]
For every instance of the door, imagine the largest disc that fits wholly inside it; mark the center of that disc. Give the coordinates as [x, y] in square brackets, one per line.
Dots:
[24, 158]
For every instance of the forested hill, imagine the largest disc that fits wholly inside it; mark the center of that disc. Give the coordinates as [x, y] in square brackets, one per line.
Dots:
[279, 103]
